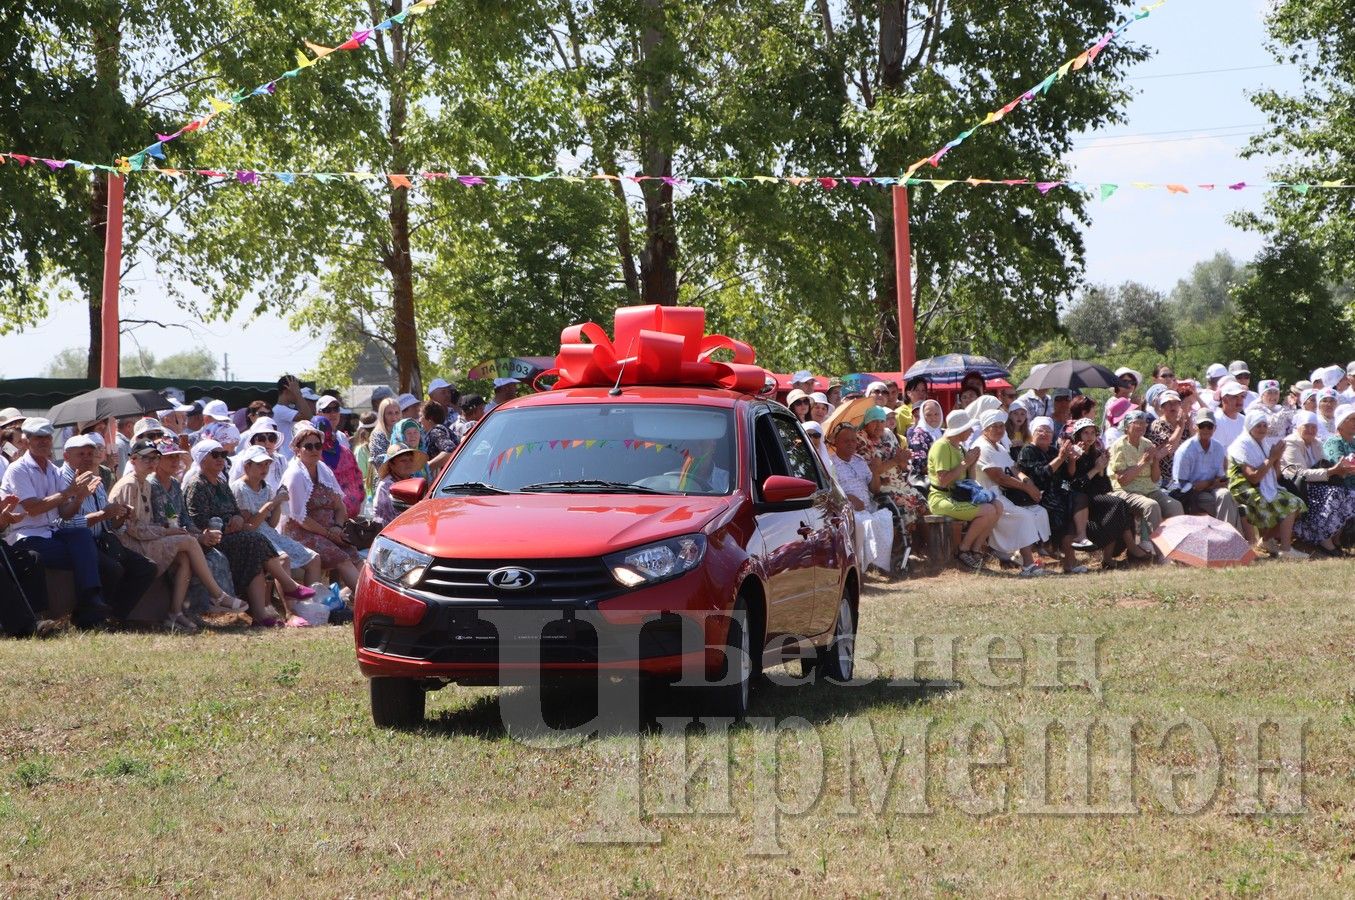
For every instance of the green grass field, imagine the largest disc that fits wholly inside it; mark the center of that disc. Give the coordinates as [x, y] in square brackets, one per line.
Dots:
[246, 764]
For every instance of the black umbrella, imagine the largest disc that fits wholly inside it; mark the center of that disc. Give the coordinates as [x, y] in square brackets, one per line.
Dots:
[105, 403]
[1071, 373]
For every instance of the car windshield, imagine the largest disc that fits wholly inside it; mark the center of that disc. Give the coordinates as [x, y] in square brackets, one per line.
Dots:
[598, 448]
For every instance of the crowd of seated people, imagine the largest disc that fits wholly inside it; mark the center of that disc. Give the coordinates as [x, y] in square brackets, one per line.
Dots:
[243, 514]
[1042, 476]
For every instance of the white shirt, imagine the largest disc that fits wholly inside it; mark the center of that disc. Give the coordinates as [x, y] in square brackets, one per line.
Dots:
[1227, 430]
[854, 477]
[29, 481]
[285, 416]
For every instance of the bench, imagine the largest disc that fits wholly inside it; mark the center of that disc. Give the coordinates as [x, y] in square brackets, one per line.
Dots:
[943, 536]
[152, 608]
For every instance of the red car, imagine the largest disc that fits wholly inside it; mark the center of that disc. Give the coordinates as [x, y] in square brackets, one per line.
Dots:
[650, 531]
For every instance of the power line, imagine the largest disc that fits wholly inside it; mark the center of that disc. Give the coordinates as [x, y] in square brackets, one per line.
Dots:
[1202, 137]
[1108, 137]
[1206, 72]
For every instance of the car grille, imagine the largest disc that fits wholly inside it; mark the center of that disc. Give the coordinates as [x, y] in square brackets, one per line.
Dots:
[558, 581]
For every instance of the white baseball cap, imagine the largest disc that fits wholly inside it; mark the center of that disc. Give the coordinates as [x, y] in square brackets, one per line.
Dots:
[217, 411]
[80, 440]
[309, 394]
[256, 454]
[802, 375]
[505, 382]
[1233, 389]
[406, 401]
[1215, 370]
[438, 384]
[326, 402]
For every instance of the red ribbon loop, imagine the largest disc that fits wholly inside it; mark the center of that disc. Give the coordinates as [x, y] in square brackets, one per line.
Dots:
[655, 345]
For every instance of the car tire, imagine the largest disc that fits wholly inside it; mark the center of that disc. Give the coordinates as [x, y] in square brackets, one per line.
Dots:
[732, 700]
[397, 702]
[837, 661]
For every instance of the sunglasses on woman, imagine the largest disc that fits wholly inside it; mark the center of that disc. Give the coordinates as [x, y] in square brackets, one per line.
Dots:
[219, 454]
[265, 439]
[311, 447]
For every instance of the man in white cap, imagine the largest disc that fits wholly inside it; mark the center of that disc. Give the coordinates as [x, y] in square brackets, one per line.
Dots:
[860, 481]
[1241, 372]
[1212, 375]
[1037, 400]
[804, 380]
[44, 498]
[445, 393]
[505, 389]
[1229, 418]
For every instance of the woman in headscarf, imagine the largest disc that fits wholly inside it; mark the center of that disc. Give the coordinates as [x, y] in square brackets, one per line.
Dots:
[315, 511]
[344, 466]
[1049, 469]
[1254, 485]
[1306, 471]
[1340, 444]
[408, 432]
[876, 444]
[1100, 519]
[976, 410]
[922, 435]
[1327, 401]
[1023, 522]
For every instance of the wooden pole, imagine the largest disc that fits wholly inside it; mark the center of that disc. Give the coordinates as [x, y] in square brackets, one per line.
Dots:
[903, 277]
[110, 357]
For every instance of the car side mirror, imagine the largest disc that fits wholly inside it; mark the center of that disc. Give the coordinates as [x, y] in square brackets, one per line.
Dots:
[408, 492]
[785, 489]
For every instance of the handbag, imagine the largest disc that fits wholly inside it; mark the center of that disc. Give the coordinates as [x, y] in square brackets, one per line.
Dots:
[360, 531]
[1016, 496]
[967, 490]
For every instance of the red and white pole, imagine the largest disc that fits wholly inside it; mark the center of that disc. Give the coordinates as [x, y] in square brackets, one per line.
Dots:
[112, 276]
[903, 277]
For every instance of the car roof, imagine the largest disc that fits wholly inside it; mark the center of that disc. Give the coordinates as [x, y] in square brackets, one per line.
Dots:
[700, 396]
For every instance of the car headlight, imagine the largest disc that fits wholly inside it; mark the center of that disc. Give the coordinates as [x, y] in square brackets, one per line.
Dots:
[658, 561]
[396, 563]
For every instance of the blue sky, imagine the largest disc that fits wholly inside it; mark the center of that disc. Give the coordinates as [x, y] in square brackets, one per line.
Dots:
[1184, 128]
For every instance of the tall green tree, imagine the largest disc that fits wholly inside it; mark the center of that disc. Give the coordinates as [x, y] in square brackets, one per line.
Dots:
[86, 80]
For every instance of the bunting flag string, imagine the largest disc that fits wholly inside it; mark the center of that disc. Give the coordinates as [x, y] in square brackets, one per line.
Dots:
[1077, 63]
[358, 39]
[1101, 190]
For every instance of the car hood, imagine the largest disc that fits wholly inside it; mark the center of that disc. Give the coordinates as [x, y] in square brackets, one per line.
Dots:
[547, 526]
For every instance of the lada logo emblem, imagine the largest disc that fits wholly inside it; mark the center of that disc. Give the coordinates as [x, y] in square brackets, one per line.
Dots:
[511, 578]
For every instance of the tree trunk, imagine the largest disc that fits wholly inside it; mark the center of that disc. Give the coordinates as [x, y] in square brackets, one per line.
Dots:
[399, 260]
[658, 261]
[107, 40]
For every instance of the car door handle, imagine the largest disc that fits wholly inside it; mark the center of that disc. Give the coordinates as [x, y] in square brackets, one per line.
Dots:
[836, 520]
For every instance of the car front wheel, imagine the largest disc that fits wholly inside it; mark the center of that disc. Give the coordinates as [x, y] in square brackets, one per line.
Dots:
[731, 696]
[837, 661]
[397, 702]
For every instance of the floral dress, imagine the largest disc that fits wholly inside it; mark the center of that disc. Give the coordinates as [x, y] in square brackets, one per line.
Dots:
[246, 550]
[320, 507]
[919, 444]
[894, 481]
[141, 534]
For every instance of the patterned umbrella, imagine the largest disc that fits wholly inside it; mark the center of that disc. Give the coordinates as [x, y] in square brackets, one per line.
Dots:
[952, 367]
[1203, 541]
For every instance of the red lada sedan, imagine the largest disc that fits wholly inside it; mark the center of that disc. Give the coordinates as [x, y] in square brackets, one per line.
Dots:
[652, 531]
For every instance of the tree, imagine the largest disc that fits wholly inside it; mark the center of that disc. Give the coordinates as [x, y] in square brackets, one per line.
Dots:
[186, 365]
[87, 80]
[1127, 315]
[1205, 293]
[1291, 314]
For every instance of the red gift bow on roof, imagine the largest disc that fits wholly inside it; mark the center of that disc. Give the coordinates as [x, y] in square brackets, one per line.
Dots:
[662, 345]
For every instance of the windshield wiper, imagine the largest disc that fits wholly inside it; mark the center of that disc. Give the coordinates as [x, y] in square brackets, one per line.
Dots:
[592, 486]
[472, 487]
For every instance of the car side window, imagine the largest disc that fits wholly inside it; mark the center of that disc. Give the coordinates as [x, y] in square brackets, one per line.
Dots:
[799, 455]
[767, 458]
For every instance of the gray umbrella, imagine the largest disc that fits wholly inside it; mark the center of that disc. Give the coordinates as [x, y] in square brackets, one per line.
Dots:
[105, 403]
[1071, 373]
